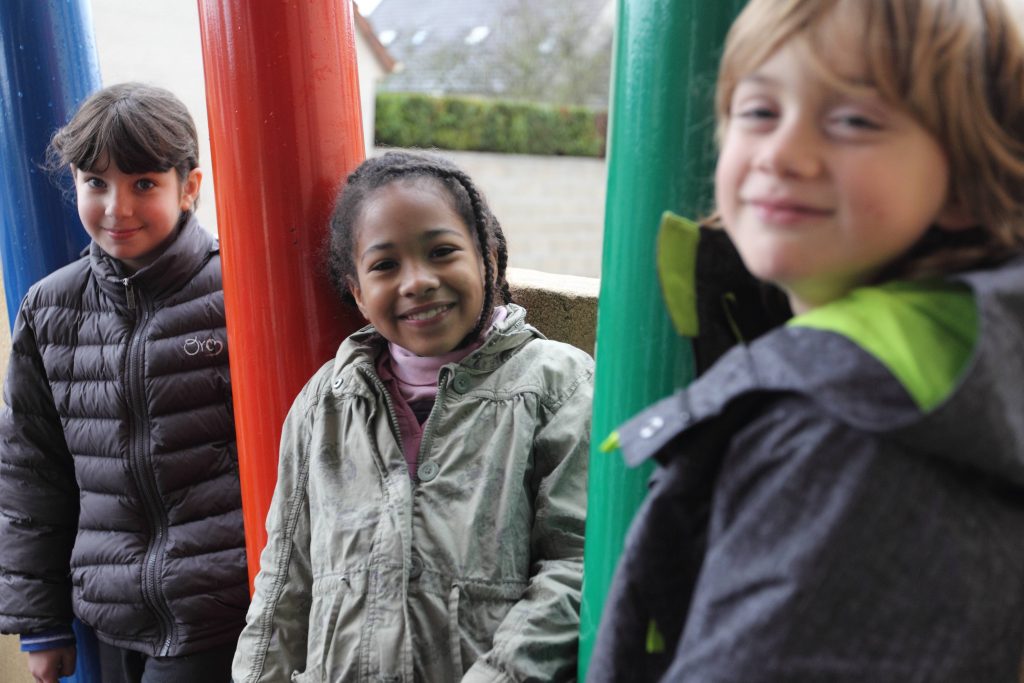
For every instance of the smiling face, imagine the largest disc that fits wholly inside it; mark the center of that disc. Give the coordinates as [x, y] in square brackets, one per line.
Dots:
[131, 216]
[821, 183]
[420, 277]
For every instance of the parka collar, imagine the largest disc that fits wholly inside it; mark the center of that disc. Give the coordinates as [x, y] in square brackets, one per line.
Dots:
[191, 248]
[363, 347]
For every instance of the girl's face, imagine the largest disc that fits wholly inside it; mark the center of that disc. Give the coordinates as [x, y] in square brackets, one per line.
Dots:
[420, 277]
[132, 215]
[821, 185]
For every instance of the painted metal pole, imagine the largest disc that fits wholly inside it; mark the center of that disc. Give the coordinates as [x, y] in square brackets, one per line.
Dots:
[48, 65]
[661, 156]
[283, 100]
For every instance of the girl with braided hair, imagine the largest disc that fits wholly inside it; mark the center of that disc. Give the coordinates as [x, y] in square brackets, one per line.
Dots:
[427, 523]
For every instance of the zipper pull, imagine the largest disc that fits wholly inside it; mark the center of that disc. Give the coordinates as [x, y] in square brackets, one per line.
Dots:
[129, 294]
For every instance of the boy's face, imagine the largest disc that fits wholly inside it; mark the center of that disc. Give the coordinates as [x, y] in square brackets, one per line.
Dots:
[132, 215]
[820, 186]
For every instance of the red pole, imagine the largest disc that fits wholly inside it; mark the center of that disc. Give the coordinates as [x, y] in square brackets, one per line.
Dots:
[283, 99]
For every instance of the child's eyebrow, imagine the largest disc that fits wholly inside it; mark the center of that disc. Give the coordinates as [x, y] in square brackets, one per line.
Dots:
[426, 236]
[758, 78]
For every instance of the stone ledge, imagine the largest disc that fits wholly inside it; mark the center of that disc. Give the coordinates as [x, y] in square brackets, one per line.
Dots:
[562, 307]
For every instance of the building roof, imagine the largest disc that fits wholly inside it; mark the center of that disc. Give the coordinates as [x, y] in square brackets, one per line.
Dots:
[442, 44]
[387, 62]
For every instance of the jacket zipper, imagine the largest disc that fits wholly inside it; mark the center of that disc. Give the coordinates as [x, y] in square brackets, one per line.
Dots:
[129, 293]
[376, 381]
[442, 383]
[428, 433]
[141, 464]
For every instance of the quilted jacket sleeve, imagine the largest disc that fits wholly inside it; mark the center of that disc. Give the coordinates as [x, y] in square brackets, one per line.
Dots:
[538, 639]
[273, 643]
[38, 496]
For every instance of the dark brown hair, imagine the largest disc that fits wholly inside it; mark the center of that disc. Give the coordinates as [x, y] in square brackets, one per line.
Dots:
[139, 128]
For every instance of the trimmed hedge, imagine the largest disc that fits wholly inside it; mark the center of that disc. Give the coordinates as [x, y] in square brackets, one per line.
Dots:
[472, 124]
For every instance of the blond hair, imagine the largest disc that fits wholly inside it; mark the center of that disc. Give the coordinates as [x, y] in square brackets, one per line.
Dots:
[955, 66]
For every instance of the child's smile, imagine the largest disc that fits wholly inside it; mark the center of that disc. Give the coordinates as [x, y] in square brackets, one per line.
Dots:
[821, 183]
[420, 275]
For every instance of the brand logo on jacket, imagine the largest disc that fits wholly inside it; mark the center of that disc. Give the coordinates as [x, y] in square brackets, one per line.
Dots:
[194, 346]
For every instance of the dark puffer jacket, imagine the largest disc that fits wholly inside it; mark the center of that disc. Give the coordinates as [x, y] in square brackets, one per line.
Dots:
[118, 441]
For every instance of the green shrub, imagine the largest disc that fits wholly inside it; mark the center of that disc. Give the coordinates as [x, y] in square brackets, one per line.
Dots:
[472, 124]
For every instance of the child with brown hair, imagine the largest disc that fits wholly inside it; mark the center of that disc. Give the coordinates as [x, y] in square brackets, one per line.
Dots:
[119, 494]
[841, 499]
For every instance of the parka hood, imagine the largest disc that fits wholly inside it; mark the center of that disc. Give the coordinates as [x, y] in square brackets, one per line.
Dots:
[977, 423]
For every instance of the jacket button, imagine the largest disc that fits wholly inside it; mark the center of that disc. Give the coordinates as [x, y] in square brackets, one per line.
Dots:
[427, 471]
[652, 427]
[415, 567]
[461, 383]
[338, 382]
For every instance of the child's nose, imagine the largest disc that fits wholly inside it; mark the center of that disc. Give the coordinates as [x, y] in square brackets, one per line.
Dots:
[418, 279]
[119, 204]
[793, 149]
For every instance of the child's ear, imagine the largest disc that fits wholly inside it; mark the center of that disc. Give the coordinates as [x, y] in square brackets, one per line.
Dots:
[357, 294]
[190, 188]
[492, 255]
[955, 216]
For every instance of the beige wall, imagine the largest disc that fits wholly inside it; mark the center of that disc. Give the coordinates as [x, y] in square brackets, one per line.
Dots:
[13, 667]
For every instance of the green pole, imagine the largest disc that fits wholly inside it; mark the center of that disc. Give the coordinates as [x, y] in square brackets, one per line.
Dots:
[661, 156]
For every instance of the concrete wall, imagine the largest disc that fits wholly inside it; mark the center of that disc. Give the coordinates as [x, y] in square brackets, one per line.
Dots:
[550, 208]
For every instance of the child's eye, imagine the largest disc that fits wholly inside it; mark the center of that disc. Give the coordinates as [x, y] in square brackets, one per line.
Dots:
[145, 184]
[382, 266]
[756, 113]
[856, 121]
[442, 251]
[95, 183]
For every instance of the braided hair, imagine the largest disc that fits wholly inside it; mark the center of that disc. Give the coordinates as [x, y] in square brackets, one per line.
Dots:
[466, 200]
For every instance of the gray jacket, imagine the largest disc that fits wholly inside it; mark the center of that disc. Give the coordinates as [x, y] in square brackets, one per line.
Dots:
[810, 522]
[118, 441]
[473, 568]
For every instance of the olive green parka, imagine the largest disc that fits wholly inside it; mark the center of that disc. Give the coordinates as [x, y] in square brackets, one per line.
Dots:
[474, 568]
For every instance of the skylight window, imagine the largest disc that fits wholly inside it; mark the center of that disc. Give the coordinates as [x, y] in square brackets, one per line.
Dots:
[419, 36]
[387, 37]
[478, 35]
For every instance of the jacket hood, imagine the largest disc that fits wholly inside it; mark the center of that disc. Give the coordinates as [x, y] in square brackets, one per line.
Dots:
[364, 345]
[979, 424]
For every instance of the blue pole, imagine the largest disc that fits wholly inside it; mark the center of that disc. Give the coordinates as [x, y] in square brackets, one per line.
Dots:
[48, 65]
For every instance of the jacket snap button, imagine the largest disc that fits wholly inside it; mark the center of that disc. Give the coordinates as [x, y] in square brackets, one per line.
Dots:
[461, 383]
[338, 382]
[652, 427]
[415, 567]
[427, 471]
